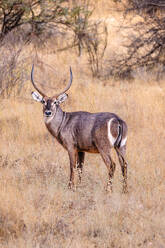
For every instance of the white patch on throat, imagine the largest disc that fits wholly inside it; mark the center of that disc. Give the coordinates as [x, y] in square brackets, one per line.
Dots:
[110, 137]
[47, 120]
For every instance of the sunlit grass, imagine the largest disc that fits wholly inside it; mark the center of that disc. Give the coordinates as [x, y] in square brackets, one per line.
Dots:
[36, 206]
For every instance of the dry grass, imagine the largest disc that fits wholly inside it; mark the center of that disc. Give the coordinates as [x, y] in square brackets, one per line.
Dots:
[38, 211]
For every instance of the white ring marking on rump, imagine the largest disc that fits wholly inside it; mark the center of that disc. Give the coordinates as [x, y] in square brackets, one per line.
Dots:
[110, 137]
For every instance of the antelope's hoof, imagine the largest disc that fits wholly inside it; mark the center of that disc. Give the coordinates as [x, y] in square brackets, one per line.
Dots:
[71, 186]
[125, 190]
[109, 188]
[79, 181]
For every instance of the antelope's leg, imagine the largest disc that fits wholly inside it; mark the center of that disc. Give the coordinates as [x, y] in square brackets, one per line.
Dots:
[80, 162]
[73, 158]
[111, 166]
[123, 163]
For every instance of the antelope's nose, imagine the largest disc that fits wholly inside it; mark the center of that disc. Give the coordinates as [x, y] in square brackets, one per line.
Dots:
[48, 113]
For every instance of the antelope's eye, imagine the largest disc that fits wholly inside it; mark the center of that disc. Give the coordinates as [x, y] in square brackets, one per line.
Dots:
[43, 101]
[55, 102]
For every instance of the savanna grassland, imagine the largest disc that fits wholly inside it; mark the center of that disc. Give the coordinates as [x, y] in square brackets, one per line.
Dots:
[37, 210]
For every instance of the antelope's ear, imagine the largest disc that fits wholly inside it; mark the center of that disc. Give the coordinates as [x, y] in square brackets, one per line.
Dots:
[37, 97]
[62, 98]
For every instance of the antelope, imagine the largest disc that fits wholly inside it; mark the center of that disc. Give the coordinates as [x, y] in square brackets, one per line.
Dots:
[80, 132]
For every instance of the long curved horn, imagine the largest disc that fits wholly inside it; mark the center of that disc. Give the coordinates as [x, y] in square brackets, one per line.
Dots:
[41, 93]
[68, 86]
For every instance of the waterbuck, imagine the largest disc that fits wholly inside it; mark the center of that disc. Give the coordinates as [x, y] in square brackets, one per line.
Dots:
[80, 132]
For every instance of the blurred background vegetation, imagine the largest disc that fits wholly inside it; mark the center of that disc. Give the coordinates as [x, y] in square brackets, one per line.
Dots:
[62, 25]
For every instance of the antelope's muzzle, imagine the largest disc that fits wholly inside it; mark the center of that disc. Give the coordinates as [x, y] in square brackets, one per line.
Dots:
[48, 113]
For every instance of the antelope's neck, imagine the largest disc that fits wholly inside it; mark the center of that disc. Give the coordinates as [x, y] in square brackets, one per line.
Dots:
[54, 123]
